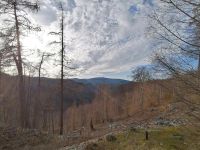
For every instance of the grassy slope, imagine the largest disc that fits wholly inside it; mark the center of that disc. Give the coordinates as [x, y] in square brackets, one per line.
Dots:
[166, 138]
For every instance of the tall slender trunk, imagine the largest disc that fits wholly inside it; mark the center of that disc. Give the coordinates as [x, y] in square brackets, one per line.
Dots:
[23, 116]
[28, 101]
[62, 75]
[52, 121]
[142, 96]
[0, 74]
[37, 101]
[199, 63]
[198, 71]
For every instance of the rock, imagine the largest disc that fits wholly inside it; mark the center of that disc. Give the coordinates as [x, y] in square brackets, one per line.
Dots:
[168, 122]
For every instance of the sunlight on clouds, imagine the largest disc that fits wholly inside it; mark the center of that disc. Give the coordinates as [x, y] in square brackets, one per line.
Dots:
[101, 35]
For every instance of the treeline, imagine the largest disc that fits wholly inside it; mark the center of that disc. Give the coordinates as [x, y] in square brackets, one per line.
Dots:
[106, 104]
[112, 104]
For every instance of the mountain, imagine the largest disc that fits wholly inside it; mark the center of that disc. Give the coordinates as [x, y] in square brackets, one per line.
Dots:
[101, 80]
[76, 91]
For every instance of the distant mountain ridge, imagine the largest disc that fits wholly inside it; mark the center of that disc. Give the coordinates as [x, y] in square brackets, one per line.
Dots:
[101, 80]
[76, 91]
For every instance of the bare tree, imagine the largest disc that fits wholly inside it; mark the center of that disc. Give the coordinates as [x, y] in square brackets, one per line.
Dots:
[5, 58]
[62, 60]
[179, 47]
[44, 56]
[141, 75]
[17, 20]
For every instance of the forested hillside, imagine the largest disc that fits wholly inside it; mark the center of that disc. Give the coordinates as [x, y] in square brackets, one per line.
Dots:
[82, 102]
[99, 74]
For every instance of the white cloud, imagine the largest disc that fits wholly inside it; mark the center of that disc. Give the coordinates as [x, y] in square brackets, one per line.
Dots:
[102, 36]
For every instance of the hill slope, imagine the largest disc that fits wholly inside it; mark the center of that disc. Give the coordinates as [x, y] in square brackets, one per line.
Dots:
[101, 80]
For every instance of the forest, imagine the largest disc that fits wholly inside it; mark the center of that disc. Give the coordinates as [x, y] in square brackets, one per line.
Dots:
[58, 85]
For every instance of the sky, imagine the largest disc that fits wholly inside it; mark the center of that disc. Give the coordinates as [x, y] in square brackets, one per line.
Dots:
[105, 38]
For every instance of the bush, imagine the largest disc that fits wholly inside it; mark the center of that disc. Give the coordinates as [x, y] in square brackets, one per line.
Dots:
[132, 129]
[94, 146]
[111, 138]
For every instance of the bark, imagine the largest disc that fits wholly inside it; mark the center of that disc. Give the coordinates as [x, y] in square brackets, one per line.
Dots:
[146, 135]
[0, 75]
[91, 125]
[142, 96]
[199, 63]
[62, 75]
[44, 119]
[52, 121]
[18, 61]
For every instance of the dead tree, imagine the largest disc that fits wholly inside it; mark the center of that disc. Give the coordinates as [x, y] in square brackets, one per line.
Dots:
[179, 49]
[62, 57]
[44, 56]
[91, 125]
[141, 75]
[17, 20]
[146, 135]
[48, 119]
[66, 66]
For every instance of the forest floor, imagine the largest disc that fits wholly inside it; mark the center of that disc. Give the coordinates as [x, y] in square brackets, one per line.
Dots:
[160, 138]
[163, 138]
[17, 139]
[167, 130]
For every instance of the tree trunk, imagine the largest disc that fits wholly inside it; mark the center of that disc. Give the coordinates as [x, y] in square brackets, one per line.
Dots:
[18, 61]
[62, 75]
[52, 121]
[37, 101]
[146, 135]
[0, 75]
[199, 62]
[142, 97]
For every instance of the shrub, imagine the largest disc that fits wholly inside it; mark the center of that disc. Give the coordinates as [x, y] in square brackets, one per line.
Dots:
[111, 138]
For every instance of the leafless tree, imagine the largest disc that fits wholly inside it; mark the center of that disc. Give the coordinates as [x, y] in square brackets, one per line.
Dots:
[141, 75]
[16, 22]
[63, 61]
[44, 56]
[178, 44]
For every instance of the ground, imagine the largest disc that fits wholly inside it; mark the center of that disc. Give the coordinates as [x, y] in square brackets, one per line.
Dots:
[17, 139]
[164, 138]
[160, 138]
[171, 130]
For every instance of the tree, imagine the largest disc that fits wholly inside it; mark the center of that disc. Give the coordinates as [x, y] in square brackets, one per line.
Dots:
[43, 57]
[196, 37]
[17, 21]
[141, 75]
[5, 57]
[62, 59]
[179, 36]
[179, 47]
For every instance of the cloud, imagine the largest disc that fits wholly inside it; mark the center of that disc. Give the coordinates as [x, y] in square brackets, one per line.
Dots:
[102, 36]
[149, 2]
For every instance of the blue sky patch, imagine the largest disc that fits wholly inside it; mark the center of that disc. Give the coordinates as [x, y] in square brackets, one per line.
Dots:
[133, 9]
[149, 2]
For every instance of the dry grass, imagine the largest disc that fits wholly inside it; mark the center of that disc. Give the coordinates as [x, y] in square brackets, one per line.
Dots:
[167, 138]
